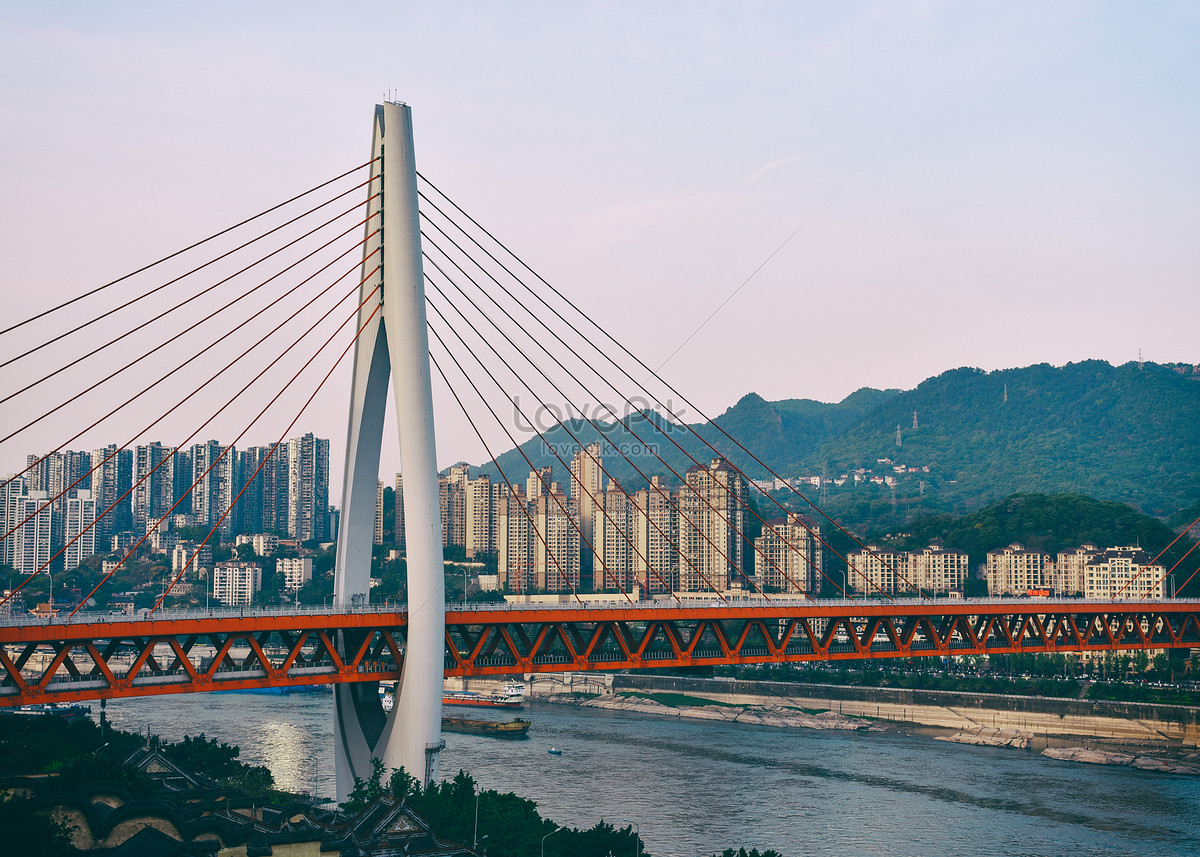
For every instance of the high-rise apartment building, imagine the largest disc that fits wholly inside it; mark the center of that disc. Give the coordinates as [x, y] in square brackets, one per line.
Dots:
[236, 583]
[937, 570]
[214, 477]
[153, 482]
[56, 474]
[31, 542]
[401, 542]
[308, 489]
[712, 517]
[111, 481]
[79, 534]
[615, 553]
[587, 488]
[377, 533]
[656, 533]
[554, 543]
[788, 557]
[477, 509]
[512, 539]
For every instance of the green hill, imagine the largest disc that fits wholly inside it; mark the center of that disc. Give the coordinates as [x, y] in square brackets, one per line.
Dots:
[967, 437]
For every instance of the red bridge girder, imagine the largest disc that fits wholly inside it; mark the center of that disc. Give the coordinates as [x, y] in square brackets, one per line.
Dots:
[82, 660]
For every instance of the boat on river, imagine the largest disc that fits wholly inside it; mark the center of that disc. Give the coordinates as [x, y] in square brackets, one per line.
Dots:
[511, 695]
[516, 728]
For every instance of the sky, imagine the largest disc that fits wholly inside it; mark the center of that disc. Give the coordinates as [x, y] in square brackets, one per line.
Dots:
[930, 185]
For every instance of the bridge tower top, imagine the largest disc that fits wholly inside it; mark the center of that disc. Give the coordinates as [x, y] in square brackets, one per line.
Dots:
[393, 344]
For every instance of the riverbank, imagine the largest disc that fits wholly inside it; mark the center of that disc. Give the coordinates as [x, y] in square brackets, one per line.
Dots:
[1142, 735]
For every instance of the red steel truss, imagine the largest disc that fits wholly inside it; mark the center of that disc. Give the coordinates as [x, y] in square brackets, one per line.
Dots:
[80, 660]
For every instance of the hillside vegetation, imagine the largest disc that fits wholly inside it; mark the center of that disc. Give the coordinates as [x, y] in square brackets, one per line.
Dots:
[1124, 434]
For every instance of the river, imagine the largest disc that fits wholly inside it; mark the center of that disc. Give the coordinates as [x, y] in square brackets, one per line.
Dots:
[696, 787]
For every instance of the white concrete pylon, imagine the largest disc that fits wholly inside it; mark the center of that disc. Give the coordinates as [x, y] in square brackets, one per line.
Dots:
[395, 339]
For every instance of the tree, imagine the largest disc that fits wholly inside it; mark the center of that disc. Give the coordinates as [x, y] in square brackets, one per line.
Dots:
[32, 834]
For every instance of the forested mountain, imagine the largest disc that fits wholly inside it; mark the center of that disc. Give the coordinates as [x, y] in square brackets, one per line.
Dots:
[1127, 434]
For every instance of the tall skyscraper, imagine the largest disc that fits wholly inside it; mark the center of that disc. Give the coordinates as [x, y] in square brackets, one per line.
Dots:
[656, 528]
[614, 545]
[712, 518]
[586, 489]
[213, 472]
[477, 507]
[80, 540]
[308, 488]
[154, 482]
[112, 479]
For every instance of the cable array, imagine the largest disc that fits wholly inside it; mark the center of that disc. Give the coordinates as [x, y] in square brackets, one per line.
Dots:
[484, 264]
[298, 261]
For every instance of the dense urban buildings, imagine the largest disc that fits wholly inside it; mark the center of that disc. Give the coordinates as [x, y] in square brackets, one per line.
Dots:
[69, 505]
[598, 536]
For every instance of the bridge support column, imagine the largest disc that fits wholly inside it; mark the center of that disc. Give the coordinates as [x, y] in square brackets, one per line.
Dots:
[394, 339]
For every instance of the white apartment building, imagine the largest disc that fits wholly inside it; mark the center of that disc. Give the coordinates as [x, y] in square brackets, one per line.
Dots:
[79, 533]
[876, 570]
[200, 559]
[296, 571]
[1014, 570]
[262, 543]
[936, 570]
[1123, 572]
[235, 584]
[1070, 571]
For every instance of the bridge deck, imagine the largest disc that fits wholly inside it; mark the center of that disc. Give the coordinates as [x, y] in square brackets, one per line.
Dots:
[104, 656]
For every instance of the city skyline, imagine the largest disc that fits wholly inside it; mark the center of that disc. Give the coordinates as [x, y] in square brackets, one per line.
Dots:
[959, 169]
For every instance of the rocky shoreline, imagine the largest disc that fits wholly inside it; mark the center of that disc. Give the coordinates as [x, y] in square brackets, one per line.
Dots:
[756, 715]
[790, 717]
[1190, 765]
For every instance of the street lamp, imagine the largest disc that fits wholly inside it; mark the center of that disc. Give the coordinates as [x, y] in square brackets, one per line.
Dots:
[547, 836]
[51, 576]
[637, 832]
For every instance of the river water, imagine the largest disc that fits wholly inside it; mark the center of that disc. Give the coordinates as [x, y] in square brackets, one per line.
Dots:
[696, 787]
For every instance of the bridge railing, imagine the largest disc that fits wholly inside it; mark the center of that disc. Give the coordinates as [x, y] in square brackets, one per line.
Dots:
[85, 617]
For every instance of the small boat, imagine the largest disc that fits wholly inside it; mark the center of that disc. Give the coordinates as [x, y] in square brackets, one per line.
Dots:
[554, 751]
[69, 711]
[487, 700]
[516, 728]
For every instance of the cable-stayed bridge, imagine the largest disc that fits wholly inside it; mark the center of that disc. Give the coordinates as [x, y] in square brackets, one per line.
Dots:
[428, 296]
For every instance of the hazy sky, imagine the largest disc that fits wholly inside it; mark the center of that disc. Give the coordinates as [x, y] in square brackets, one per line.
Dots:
[984, 184]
